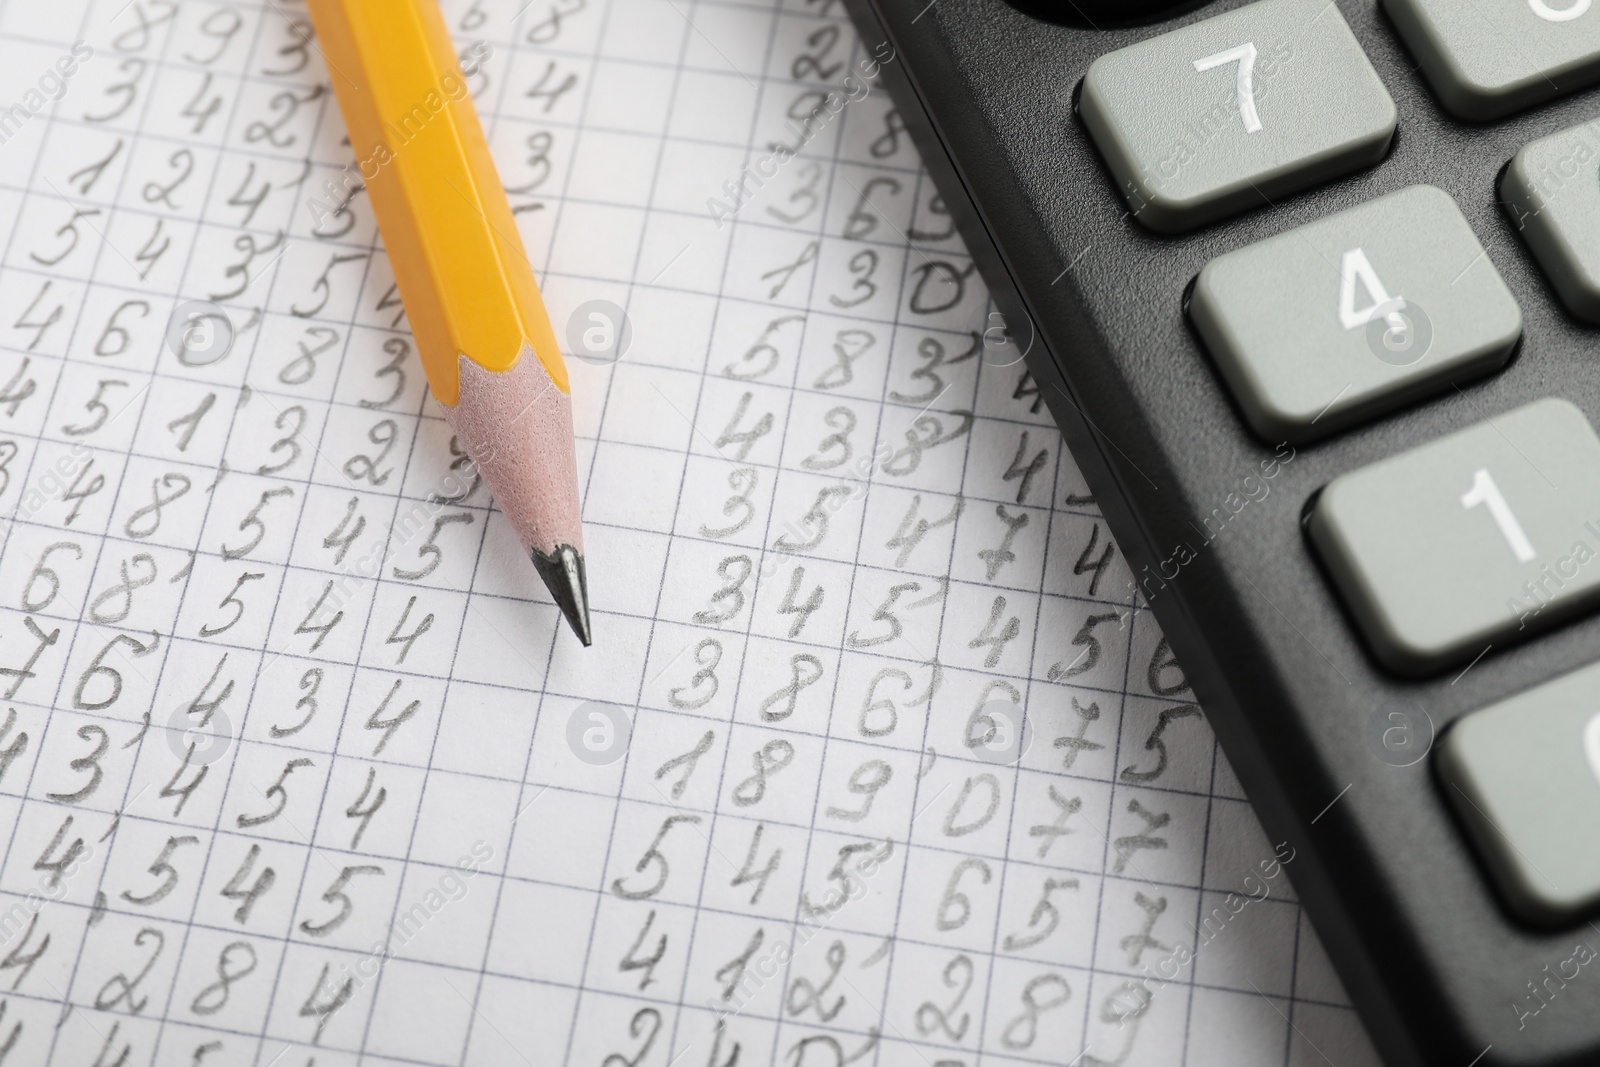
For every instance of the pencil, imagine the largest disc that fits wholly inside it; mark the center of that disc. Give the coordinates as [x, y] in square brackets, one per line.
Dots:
[491, 358]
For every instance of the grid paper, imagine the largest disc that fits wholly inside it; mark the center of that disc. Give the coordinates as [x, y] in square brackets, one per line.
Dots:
[876, 759]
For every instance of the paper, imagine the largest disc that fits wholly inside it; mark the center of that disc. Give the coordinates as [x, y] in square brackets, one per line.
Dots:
[875, 760]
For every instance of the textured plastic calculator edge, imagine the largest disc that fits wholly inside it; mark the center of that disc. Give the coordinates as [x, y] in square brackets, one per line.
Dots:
[1365, 982]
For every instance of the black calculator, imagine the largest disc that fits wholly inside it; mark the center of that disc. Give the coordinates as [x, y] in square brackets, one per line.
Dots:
[1312, 288]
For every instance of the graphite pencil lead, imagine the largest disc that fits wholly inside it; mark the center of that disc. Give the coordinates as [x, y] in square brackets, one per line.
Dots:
[564, 574]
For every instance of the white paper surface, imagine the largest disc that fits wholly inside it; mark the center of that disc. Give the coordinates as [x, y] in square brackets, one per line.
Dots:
[312, 771]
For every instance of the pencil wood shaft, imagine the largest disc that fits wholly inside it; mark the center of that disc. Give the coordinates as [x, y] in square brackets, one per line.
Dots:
[481, 328]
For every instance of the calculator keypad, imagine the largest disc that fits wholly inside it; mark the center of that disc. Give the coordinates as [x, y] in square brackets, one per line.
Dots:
[1475, 539]
[1223, 115]
[1524, 776]
[1324, 326]
[1489, 58]
[1552, 191]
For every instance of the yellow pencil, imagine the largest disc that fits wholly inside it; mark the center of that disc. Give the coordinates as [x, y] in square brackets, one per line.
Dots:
[486, 344]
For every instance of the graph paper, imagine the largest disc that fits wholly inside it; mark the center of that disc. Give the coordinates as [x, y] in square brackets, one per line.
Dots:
[876, 758]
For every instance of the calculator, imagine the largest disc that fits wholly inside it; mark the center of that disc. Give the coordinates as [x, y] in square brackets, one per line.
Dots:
[1312, 288]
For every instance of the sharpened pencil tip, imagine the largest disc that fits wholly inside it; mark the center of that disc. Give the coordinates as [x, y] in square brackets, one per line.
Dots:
[563, 572]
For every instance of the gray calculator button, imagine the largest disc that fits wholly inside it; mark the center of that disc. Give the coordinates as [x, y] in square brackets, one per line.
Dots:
[1475, 539]
[1229, 113]
[1489, 58]
[1524, 775]
[1327, 325]
[1552, 190]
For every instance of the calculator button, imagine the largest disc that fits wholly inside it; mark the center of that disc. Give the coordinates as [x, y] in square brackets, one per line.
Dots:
[1355, 314]
[1230, 113]
[1472, 540]
[1552, 191]
[1524, 776]
[1488, 58]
